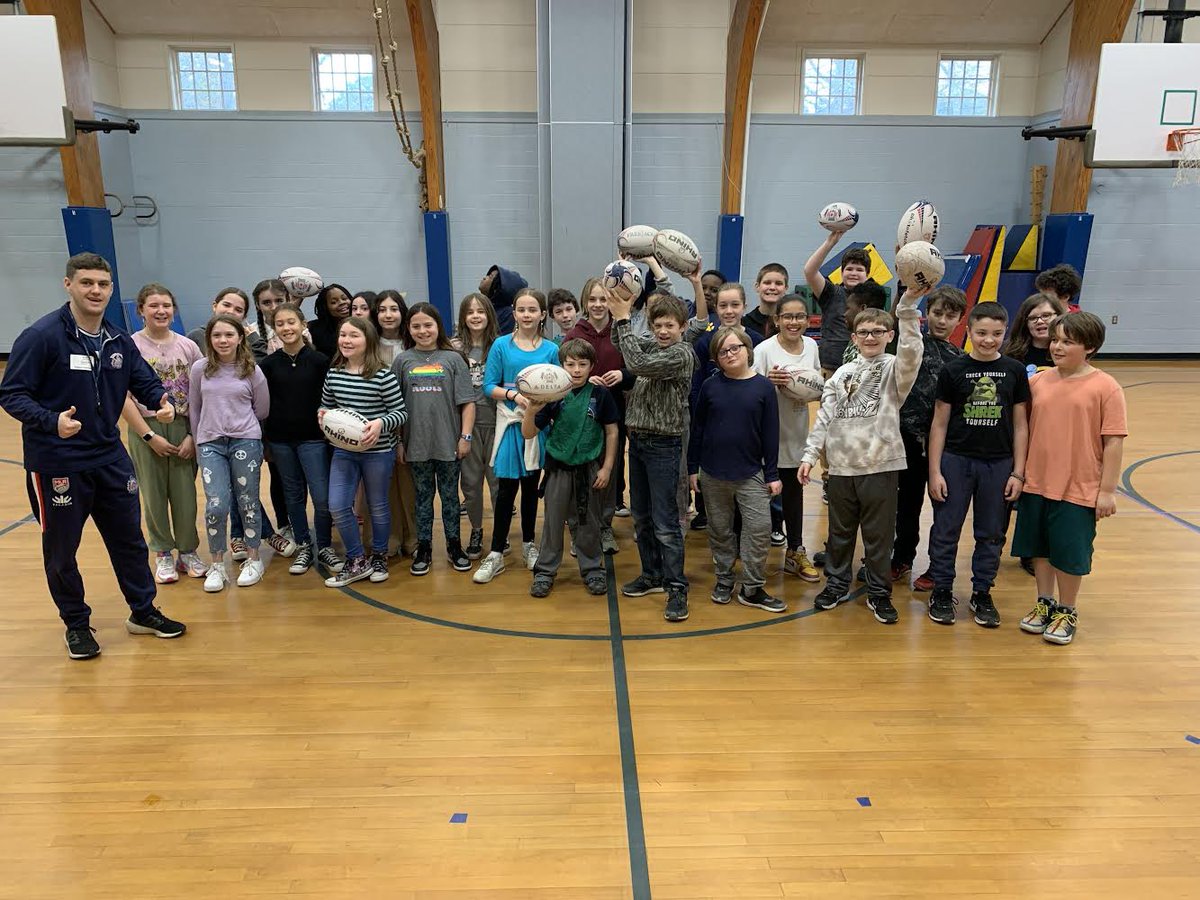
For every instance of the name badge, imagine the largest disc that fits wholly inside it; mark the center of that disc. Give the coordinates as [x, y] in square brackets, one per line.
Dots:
[81, 362]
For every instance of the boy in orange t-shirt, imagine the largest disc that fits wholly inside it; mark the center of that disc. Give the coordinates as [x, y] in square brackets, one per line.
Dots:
[1076, 434]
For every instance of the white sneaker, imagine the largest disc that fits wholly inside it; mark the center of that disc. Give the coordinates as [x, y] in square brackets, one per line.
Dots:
[164, 569]
[529, 553]
[492, 565]
[192, 565]
[252, 571]
[216, 578]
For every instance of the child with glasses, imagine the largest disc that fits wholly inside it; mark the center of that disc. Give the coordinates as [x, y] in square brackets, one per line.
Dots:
[858, 430]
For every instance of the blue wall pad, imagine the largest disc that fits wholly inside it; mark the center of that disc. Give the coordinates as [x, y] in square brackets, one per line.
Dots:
[134, 321]
[729, 246]
[960, 268]
[89, 230]
[1020, 249]
[437, 264]
[1066, 237]
[1014, 288]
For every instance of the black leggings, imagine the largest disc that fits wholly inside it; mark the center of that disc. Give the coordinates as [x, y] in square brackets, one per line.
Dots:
[278, 501]
[504, 509]
[793, 508]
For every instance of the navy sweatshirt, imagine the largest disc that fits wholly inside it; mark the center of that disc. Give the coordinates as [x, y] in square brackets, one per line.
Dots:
[50, 369]
[735, 429]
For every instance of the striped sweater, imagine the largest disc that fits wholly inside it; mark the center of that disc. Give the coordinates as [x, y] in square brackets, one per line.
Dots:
[378, 397]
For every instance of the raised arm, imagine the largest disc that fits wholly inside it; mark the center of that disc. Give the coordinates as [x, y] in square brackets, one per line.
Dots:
[910, 348]
[812, 268]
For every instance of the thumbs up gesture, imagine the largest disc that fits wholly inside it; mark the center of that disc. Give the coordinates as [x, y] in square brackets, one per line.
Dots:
[165, 413]
[67, 425]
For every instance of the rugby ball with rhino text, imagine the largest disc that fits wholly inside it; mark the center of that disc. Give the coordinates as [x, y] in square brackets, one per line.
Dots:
[344, 428]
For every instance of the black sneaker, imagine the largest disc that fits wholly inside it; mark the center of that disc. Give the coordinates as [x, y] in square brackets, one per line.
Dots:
[722, 593]
[778, 539]
[677, 606]
[699, 522]
[641, 586]
[422, 559]
[885, 613]
[458, 558]
[152, 621]
[1027, 565]
[302, 561]
[985, 610]
[941, 606]
[831, 595]
[818, 559]
[379, 568]
[760, 599]
[542, 586]
[475, 544]
[81, 644]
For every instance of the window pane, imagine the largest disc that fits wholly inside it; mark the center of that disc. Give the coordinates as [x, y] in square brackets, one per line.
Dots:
[830, 86]
[964, 87]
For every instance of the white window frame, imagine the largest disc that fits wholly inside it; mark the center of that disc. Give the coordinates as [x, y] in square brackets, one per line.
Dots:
[859, 58]
[316, 76]
[177, 88]
[993, 85]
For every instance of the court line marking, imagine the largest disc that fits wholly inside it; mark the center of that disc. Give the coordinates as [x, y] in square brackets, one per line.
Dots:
[1132, 493]
[634, 828]
[15, 525]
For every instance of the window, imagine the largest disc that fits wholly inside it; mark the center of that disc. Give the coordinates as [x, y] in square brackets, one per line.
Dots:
[964, 87]
[204, 79]
[831, 86]
[345, 80]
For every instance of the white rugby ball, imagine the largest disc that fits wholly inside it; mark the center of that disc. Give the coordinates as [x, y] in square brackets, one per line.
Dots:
[838, 217]
[344, 428]
[623, 278]
[301, 282]
[919, 265]
[804, 384]
[677, 251]
[637, 241]
[918, 223]
[544, 382]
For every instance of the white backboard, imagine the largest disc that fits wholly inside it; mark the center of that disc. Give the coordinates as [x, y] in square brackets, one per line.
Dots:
[1143, 92]
[33, 96]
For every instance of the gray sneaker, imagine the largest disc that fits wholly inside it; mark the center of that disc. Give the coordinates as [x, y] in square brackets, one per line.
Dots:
[641, 586]
[677, 606]
[760, 599]
[722, 593]
[542, 586]
[608, 542]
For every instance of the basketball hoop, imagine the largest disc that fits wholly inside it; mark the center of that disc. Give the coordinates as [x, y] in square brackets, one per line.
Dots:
[1186, 142]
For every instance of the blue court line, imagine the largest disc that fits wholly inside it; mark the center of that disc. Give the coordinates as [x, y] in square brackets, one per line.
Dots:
[1130, 491]
[639, 869]
[14, 525]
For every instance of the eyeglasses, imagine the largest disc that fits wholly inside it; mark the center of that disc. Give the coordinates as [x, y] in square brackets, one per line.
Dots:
[871, 332]
[1042, 317]
[732, 349]
[793, 317]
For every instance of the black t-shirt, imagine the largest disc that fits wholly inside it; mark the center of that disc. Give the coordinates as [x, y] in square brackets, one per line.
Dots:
[1036, 359]
[757, 320]
[981, 397]
[835, 334]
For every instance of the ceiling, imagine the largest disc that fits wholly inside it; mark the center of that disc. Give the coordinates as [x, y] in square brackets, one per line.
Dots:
[955, 22]
[330, 19]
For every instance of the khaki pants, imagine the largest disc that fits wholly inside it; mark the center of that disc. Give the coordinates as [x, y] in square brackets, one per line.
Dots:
[168, 486]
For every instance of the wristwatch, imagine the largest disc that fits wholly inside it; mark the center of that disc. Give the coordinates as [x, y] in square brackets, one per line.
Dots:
[148, 436]
[465, 437]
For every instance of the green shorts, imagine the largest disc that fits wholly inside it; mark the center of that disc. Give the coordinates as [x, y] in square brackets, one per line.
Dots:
[1057, 530]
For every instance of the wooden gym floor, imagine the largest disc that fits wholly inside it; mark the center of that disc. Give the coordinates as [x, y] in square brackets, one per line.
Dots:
[305, 741]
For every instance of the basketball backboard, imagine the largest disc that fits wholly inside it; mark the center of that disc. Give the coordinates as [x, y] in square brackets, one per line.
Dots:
[1143, 93]
[33, 96]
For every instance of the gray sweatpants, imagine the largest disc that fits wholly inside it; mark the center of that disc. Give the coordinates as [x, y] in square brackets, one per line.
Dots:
[867, 502]
[721, 500]
[475, 470]
[558, 489]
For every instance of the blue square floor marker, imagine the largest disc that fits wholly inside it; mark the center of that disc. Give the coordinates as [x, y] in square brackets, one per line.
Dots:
[458, 818]
[1192, 739]
[863, 801]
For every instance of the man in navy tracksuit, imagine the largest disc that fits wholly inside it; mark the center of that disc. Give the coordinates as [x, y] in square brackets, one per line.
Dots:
[66, 381]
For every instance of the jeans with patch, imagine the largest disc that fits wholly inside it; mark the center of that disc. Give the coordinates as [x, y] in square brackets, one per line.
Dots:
[229, 471]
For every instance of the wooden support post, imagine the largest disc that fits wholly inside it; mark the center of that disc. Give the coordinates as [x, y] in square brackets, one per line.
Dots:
[1094, 23]
[422, 25]
[745, 25]
[80, 161]
[1037, 194]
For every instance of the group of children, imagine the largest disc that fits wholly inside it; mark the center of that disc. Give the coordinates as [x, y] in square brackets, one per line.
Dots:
[690, 405]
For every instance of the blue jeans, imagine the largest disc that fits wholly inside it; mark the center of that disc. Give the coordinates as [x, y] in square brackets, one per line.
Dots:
[238, 532]
[229, 470]
[373, 469]
[654, 463]
[977, 483]
[304, 468]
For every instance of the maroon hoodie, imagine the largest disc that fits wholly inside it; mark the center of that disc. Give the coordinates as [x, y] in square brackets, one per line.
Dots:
[608, 357]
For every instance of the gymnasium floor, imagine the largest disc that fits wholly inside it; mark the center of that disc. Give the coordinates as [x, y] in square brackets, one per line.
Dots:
[305, 741]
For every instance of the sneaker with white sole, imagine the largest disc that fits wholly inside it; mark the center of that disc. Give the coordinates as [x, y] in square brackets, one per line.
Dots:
[778, 539]
[216, 579]
[622, 511]
[239, 549]
[164, 569]
[191, 565]
[796, 562]
[492, 565]
[330, 560]
[354, 570]
[302, 561]
[81, 643]
[1038, 618]
[251, 574]
[529, 553]
[1061, 627]
[379, 569]
[760, 599]
[152, 621]
[282, 545]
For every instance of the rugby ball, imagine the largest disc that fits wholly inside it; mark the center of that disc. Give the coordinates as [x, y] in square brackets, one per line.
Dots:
[677, 251]
[623, 278]
[919, 265]
[544, 382]
[838, 217]
[344, 428]
[637, 241]
[301, 282]
[804, 384]
[918, 223]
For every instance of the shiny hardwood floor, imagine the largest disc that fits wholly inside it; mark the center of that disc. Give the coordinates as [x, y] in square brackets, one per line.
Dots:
[303, 741]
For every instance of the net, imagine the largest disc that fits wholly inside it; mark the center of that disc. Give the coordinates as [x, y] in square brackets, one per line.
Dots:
[1186, 142]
